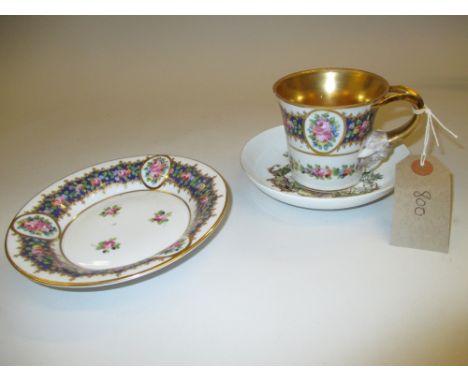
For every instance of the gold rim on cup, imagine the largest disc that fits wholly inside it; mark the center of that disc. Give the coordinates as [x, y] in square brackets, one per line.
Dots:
[339, 88]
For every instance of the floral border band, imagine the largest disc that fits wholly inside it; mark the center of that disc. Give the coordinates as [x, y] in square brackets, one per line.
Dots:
[357, 126]
[42, 253]
[282, 180]
[323, 172]
[294, 125]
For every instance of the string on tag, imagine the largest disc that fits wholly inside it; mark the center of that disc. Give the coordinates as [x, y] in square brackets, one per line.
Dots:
[430, 116]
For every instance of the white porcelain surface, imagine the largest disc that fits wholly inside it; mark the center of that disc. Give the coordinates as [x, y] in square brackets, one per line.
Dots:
[116, 221]
[268, 149]
[133, 228]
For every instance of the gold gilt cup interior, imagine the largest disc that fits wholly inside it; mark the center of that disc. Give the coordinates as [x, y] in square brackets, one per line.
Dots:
[331, 87]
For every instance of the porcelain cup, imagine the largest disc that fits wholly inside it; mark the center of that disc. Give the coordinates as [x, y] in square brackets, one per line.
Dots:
[327, 114]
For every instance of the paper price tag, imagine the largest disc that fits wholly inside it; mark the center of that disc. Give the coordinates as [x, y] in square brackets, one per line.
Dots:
[423, 205]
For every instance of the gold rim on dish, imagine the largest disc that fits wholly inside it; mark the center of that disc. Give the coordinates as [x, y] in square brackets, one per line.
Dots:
[132, 276]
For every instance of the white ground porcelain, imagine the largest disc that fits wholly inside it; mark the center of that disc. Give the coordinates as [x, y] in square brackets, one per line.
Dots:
[268, 149]
[324, 145]
[116, 221]
[138, 235]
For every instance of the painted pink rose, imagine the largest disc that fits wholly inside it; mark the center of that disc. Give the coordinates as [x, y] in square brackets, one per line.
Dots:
[161, 217]
[110, 211]
[123, 173]
[59, 200]
[204, 199]
[186, 176]
[156, 169]
[37, 251]
[322, 172]
[108, 244]
[95, 181]
[288, 124]
[363, 128]
[318, 171]
[347, 171]
[322, 130]
[37, 226]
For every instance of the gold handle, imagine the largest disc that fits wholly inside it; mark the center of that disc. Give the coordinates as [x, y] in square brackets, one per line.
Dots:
[402, 93]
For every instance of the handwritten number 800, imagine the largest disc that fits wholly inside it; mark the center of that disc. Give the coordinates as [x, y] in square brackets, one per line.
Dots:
[421, 201]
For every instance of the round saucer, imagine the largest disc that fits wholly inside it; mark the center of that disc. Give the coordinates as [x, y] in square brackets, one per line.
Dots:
[265, 161]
